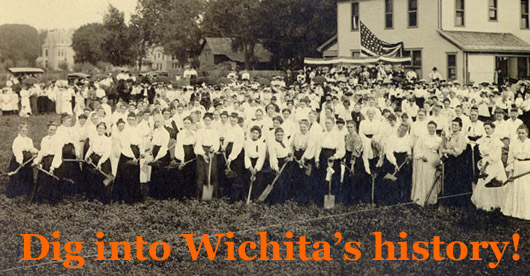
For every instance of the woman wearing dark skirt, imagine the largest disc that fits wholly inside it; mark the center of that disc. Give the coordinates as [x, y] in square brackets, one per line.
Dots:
[235, 140]
[255, 152]
[98, 157]
[356, 181]
[185, 157]
[161, 186]
[21, 183]
[70, 171]
[127, 182]
[48, 189]
[280, 155]
[327, 160]
[303, 147]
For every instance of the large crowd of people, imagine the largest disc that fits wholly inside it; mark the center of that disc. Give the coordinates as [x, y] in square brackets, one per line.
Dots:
[363, 134]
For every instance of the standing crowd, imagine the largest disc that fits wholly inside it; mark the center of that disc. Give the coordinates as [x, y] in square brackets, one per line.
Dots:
[362, 134]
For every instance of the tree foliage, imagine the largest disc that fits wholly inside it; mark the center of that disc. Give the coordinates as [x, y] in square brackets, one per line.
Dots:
[294, 29]
[111, 41]
[241, 20]
[172, 24]
[19, 44]
[87, 42]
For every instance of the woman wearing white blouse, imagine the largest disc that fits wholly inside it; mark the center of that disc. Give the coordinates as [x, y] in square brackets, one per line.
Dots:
[255, 152]
[160, 186]
[303, 147]
[69, 140]
[21, 183]
[49, 158]
[329, 151]
[516, 203]
[280, 155]
[235, 140]
[185, 155]
[99, 152]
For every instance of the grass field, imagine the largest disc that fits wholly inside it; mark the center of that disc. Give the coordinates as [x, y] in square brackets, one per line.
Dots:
[79, 220]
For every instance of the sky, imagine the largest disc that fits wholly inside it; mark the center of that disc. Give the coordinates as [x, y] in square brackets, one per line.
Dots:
[59, 14]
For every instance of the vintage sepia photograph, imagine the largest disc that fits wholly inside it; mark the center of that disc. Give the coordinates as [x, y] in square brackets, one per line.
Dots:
[265, 137]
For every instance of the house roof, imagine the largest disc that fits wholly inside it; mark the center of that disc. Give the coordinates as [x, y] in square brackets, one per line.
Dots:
[486, 42]
[328, 44]
[223, 46]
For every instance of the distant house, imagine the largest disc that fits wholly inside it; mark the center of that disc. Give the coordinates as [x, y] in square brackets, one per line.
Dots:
[330, 48]
[216, 50]
[57, 50]
[157, 60]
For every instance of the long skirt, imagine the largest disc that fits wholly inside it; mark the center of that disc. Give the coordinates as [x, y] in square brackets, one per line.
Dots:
[301, 179]
[96, 187]
[517, 198]
[392, 192]
[458, 171]
[21, 183]
[259, 184]
[71, 171]
[161, 185]
[237, 182]
[185, 178]
[127, 182]
[207, 174]
[48, 189]
[323, 186]
[489, 199]
[283, 188]
[357, 183]
[425, 180]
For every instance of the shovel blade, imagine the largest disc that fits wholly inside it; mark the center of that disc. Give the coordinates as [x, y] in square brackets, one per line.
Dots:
[329, 201]
[390, 177]
[265, 193]
[494, 183]
[207, 192]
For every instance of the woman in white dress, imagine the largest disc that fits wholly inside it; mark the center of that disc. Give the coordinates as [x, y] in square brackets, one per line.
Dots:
[490, 148]
[517, 201]
[426, 160]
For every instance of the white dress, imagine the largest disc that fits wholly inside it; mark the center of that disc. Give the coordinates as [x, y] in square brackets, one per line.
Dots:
[517, 200]
[424, 173]
[25, 108]
[484, 198]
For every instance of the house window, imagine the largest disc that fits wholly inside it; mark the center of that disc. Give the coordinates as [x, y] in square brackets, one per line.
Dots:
[46, 52]
[413, 13]
[492, 10]
[356, 54]
[415, 64]
[524, 15]
[389, 14]
[355, 16]
[451, 66]
[460, 13]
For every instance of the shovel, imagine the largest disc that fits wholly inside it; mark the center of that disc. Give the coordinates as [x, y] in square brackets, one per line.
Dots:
[19, 167]
[496, 183]
[269, 187]
[207, 190]
[109, 178]
[252, 179]
[392, 177]
[329, 199]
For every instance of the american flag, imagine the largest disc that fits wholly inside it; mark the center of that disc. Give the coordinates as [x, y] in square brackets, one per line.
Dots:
[372, 46]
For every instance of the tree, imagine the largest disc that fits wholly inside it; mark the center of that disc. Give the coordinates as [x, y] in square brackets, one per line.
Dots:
[172, 24]
[19, 44]
[295, 28]
[87, 43]
[240, 20]
[118, 39]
